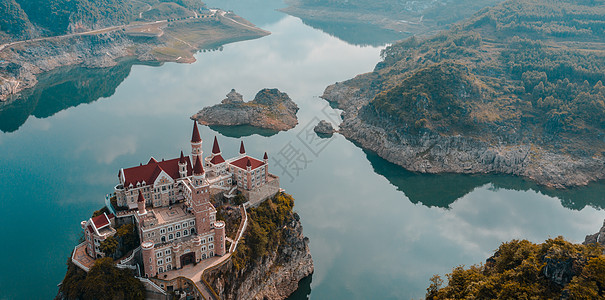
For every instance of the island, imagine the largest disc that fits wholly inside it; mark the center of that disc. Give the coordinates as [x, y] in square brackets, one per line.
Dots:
[270, 109]
[516, 89]
[192, 226]
[38, 36]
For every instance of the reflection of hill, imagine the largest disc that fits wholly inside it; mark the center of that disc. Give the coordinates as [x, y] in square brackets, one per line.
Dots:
[242, 130]
[443, 189]
[61, 89]
[304, 289]
[361, 34]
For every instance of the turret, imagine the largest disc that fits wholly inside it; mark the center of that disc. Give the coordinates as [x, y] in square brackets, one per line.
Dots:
[196, 144]
[219, 238]
[198, 172]
[148, 258]
[141, 204]
[216, 150]
[182, 166]
[242, 150]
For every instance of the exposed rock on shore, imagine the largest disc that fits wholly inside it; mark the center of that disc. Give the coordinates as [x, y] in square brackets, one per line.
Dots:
[429, 152]
[270, 109]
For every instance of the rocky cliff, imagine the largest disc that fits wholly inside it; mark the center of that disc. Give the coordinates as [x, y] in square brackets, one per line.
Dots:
[430, 152]
[270, 109]
[275, 275]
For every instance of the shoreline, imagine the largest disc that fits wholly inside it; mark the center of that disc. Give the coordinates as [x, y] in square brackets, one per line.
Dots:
[178, 41]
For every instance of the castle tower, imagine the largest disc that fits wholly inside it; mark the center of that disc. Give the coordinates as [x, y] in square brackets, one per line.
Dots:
[242, 150]
[219, 238]
[141, 204]
[148, 259]
[198, 173]
[196, 144]
[182, 166]
[266, 160]
[200, 203]
[216, 150]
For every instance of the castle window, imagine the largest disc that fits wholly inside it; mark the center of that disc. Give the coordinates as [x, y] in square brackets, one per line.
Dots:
[167, 251]
[170, 229]
[178, 234]
[168, 259]
[161, 270]
[203, 241]
[160, 262]
[191, 223]
[158, 254]
[185, 232]
[210, 239]
[163, 239]
[169, 267]
[185, 225]
[203, 248]
[170, 236]
[211, 246]
[177, 226]
[163, 230]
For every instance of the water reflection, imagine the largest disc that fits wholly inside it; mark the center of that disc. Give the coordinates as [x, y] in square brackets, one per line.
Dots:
[361, 34]
[304, 289]
[442, 190]
[61, 89]
[243, 130]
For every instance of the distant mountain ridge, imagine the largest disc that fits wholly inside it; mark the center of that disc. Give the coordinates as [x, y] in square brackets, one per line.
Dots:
[24, 19]
[516, 89]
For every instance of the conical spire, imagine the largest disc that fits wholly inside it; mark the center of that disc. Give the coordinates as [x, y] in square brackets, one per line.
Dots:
[141, 198]
[242, 150]
[248, 163]
[197, 168]
[265, 157]
[215, 147]
[195, 137]
[182, 159]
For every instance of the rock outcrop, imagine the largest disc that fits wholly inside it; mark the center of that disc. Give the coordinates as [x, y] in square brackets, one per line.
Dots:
[597, 238]
[275, 276]
[430, 152]
[324, 127]
[270, 109]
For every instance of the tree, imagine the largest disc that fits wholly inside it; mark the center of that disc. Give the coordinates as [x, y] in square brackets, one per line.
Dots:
[109, 246]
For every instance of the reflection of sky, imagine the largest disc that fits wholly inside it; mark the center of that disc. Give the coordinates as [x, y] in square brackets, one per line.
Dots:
[367, 239]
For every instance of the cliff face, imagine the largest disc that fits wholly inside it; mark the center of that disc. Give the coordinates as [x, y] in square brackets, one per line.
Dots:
[430, 152]
[274, 276]
[270, 109]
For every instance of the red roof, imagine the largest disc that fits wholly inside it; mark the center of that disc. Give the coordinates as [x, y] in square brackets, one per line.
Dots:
[195, 137]
[100, 221]
[242, 150]
[217, 159]
[151, 170]
[242, 162]
[198, 169]
[215, 147]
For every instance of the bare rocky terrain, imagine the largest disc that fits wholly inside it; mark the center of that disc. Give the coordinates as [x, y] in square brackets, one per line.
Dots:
[270, 109]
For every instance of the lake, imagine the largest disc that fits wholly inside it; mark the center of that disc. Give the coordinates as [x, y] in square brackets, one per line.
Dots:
[376, 231]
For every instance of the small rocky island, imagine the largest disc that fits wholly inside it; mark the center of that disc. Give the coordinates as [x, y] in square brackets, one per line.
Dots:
[324, 128]
[270, 109]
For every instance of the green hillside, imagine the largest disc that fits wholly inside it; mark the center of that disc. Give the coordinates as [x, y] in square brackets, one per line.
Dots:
[32, 18]
[530, 71]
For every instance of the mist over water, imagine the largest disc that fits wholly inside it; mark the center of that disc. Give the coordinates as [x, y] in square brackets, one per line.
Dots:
[376, 231]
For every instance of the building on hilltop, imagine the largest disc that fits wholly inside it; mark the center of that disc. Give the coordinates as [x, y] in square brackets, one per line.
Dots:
[169, 202]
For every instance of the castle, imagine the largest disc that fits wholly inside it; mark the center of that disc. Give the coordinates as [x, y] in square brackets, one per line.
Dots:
[169, 202]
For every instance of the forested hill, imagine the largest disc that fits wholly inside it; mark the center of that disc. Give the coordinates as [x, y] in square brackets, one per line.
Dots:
[525, 70]
[32, 18]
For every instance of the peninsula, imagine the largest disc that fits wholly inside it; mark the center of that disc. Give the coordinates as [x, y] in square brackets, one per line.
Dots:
[39, 36]
[192, 226]
[490, 95]
[270, 109]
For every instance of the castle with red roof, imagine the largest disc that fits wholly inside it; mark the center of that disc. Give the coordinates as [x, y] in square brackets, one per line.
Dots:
[169, 202]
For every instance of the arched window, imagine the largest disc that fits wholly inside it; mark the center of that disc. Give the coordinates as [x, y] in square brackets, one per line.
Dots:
[163, 239]
[161, 270]
[170, 236]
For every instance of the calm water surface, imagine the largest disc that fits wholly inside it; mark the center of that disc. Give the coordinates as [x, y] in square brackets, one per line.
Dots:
[376, 231]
